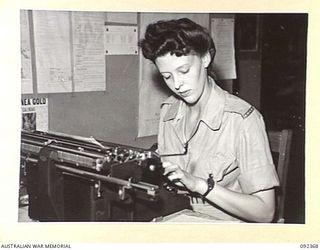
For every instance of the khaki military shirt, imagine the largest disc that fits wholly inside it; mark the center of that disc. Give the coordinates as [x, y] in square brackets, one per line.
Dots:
[230, 142]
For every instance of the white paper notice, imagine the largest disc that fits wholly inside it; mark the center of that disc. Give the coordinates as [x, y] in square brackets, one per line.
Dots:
[34, 113]
[26, 68]
[88, 51]
[121, 40]
[222, 31]
[151, 94]
[53, 53]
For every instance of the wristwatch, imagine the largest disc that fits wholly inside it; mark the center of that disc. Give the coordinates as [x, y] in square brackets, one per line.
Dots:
[211, 183]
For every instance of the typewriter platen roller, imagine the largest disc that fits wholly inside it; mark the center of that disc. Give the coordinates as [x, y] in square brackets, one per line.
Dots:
[73, 178]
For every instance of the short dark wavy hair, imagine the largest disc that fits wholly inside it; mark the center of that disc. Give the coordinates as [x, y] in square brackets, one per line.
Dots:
[178, 37]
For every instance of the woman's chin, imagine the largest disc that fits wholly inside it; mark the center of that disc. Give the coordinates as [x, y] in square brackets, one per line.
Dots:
[189, 100]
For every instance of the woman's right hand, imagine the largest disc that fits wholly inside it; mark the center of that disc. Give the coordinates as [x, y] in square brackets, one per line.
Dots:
[182, 178]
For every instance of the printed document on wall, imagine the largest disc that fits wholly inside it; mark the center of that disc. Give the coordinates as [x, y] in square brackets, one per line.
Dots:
[88, 51]
[121, 40]
[26, 65]
[34, 113]
[152, 89]
[222, 31]
[53, 52]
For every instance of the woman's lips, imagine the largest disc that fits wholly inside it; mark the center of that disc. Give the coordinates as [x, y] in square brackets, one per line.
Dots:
[185, 93]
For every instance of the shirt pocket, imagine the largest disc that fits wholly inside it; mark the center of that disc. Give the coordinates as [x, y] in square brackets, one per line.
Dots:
[223, 167]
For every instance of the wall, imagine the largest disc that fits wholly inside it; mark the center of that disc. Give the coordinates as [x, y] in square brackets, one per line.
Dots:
[248, 84]
[249, 78]
[111, 115]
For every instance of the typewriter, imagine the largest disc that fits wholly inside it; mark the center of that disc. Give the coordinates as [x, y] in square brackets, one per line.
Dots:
[74, 178]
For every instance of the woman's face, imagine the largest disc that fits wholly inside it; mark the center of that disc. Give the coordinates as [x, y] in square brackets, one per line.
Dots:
[186, 75]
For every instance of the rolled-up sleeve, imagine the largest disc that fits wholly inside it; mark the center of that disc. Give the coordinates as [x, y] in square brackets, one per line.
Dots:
[257, 171]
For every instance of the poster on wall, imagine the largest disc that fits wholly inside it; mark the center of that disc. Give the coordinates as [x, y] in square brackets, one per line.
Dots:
[121, 40]
[26, 65]
[88, 51]
[53, 51]
[151, 90]
[222, 31]
[34, 114]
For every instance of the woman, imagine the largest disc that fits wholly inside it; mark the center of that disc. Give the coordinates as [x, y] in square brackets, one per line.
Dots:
[215, 143]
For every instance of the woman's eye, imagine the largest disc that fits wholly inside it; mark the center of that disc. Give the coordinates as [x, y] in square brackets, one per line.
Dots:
[185, 71]
[166, 77]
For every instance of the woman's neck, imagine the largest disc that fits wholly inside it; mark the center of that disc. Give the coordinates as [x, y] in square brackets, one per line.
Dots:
[200, 105]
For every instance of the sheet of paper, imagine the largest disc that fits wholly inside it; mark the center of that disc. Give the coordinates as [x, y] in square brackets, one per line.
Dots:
[121, 40]
[222, 31]
[26, 65]
[88, 51]
[53, 52]
[183, 218]
[122, 17]
[152, 90]
[189, 216]
[34, 113]
[90, 139]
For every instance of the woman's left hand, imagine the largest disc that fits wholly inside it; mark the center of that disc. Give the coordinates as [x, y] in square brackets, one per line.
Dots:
[182, 178]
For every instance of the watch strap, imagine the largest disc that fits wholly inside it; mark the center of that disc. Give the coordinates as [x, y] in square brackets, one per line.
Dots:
[211, 184]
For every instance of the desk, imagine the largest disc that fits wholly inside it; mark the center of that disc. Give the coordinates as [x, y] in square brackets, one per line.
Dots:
[189, 216]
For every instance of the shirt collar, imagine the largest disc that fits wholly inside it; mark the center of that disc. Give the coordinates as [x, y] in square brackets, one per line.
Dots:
[212, 115]
[172, 112]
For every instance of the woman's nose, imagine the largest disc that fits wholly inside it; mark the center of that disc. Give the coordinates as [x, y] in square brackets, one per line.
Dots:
[177, 83]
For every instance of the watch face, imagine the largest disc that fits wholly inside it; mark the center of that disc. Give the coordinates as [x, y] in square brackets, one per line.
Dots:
[211, 183]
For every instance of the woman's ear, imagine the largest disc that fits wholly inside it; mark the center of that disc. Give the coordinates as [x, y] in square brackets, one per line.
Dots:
[206, 59]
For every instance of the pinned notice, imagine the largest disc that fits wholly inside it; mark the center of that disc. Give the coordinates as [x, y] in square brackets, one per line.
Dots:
[121, 40]
[34, 113]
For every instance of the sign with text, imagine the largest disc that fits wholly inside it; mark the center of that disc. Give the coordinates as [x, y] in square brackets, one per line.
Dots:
[121, 40]
[34, 113]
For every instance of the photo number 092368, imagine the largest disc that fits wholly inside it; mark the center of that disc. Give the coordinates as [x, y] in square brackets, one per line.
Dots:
[307, 246]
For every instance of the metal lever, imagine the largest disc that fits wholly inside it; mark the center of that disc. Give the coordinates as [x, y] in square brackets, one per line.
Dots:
[122, 190]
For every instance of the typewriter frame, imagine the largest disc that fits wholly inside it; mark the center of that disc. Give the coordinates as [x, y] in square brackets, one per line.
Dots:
[71, 178]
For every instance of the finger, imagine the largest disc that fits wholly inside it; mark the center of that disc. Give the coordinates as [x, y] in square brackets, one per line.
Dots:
[172, 177]
[166, 164]
[178, 183]
[170, 169]
[175, 175]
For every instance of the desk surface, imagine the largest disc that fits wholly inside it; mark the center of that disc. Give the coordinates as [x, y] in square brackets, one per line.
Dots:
[189, 216]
